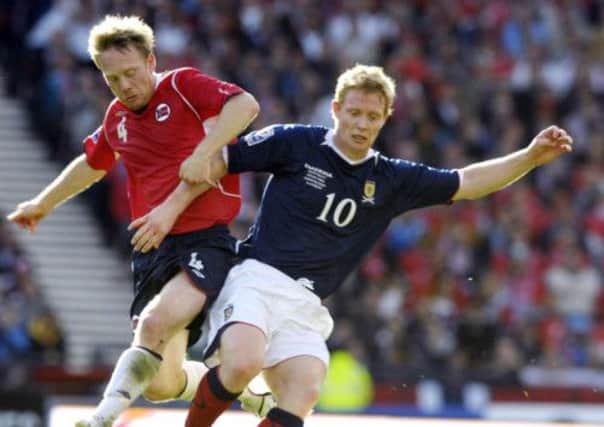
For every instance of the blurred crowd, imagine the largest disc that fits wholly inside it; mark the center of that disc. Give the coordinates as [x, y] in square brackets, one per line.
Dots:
[476, 290]
[29, 333]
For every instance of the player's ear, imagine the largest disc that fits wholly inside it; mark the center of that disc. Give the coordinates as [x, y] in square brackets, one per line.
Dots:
[151, 61]
[335, 106]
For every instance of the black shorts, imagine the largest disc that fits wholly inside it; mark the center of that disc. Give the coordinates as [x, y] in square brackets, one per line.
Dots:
[206, 256]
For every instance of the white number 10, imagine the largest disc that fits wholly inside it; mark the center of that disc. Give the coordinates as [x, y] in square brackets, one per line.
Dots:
[344, 204]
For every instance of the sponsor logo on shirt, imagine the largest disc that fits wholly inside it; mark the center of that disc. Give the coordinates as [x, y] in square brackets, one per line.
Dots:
[316, 177]
[228, 312]
[162, 112]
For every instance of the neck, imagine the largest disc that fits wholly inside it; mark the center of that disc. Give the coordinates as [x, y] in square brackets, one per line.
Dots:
[350, 154]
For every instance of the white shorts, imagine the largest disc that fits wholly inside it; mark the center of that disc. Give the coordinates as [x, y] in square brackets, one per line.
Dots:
[292, 317]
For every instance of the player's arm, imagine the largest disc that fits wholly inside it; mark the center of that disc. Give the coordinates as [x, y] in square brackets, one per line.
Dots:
[76, 177]
[153, 227]
[236, 115]
[480, 179]
[264, 150]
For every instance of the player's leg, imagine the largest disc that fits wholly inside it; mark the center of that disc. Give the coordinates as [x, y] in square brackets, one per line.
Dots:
[172, 379]
[242, 357]
[296, 383]
[297, 360]
[167, 313]
[179, 378]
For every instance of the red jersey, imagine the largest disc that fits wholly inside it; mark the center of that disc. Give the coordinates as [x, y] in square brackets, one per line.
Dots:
[153, 144]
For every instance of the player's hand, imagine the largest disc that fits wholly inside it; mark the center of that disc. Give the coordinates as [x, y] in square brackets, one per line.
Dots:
[196, 169]
[550, 143]
[152, 228]
[28, 214]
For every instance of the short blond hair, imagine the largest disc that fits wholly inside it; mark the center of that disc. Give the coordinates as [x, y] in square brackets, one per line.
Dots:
[120, 32]
[368, 78]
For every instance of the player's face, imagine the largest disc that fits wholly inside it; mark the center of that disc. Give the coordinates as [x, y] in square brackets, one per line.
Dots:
[129, 75]
[359, 118]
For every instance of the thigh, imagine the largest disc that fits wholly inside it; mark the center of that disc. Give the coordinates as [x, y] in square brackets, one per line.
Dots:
[238, 307]
[175, 306]
[205, 257]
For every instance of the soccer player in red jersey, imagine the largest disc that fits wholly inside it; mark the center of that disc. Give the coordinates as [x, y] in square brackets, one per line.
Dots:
[164, 127]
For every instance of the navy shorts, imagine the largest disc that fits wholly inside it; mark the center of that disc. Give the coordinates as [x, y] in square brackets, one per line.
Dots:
[206, 256]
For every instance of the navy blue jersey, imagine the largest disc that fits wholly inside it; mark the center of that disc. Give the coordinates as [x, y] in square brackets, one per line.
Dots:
[320, 212]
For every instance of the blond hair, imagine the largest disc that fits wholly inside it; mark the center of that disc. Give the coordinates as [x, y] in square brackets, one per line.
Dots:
[120, 32]
[368, 78]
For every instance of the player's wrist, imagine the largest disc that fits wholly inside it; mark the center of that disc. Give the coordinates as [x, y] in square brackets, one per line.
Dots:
[43, 205]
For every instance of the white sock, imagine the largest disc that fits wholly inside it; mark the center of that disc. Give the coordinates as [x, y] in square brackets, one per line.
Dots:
[132, 374]
[194, 372]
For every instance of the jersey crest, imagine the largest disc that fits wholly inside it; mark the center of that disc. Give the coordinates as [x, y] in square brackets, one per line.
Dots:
[369, 192]
[162, 112]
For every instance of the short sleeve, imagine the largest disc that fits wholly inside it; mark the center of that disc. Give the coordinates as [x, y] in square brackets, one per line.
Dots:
[270, 149]
[99, 154]
[205, 93]
[419, 185]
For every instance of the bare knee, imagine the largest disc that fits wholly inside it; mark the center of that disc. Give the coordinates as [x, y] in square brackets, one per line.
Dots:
[306, 393]
[238, 371]
[152, 331]
[242, 356]
[297, 384]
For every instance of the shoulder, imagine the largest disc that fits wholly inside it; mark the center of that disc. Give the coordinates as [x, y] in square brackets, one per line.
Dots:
[395, 166]
[305, 133]
[115, 110]
[179, 76]
[184, 77]
[293, 132]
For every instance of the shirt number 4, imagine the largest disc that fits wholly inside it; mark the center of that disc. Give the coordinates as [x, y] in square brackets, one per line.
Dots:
[122, 132]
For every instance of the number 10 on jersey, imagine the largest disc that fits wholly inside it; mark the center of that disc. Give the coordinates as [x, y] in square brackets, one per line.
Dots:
[342, 214]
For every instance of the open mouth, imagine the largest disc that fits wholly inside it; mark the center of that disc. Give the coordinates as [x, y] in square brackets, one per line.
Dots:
[359, 138]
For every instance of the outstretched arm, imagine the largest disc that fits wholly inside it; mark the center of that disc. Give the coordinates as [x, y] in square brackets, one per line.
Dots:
[235, 116]
[153, 227]
[480, 179]
[76, 177]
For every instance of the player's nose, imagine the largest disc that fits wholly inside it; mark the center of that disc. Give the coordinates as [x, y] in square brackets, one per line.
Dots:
[124, 86]
[362, 122]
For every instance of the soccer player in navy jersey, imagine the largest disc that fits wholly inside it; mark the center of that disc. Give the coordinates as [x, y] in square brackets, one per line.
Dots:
[329, 198]
[162, 126]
